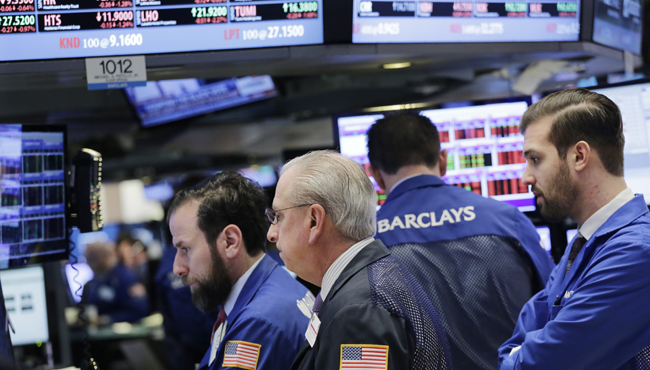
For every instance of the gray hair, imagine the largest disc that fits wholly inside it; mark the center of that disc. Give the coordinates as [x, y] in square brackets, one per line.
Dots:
[338, 184]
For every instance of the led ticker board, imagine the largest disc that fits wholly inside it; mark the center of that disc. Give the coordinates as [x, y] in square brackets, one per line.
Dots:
[49, 29]
[465, 21]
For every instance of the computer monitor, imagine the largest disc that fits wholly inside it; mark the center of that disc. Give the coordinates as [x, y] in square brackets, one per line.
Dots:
[545, 236]
[24, 294]
[483, 143]
[633, 99]
[171, 100]
[33, 216]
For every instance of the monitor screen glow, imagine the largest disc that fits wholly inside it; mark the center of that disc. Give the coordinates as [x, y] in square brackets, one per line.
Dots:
[634, 102]
[483, 143]
[24, 293]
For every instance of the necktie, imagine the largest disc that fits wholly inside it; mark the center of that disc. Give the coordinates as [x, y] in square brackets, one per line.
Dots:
[220, 319]
[318, 303]
[575, 249]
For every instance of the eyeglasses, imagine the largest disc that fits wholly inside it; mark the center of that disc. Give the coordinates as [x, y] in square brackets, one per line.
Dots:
[272, 214]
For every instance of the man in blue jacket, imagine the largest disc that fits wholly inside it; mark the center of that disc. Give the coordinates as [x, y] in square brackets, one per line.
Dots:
[219, 230]
[478, 260]
[114, 290]
[593, 313]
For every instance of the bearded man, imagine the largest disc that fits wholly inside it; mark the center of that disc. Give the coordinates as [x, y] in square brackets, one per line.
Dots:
[219, 229]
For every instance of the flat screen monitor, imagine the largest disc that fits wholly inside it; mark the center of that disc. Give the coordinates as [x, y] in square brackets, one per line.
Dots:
[465, 21]
[633, 99]
[483, 143]
[24, 293]
[570, 234]
[619, 24]
[50, 29]
[545, 237]
[171, 100]
[33, 222]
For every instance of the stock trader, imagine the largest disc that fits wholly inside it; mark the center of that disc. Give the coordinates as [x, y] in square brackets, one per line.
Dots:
[218, 230]
[114, 290]
[370, 312]
[478, 260]
[593, 313]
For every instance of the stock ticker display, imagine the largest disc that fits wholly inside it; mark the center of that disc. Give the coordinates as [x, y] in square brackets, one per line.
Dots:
[465, 21]
[90, 28]
[483, 143]
[32, 212]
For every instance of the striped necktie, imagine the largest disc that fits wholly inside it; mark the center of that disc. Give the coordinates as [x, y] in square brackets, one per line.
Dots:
[575, 249]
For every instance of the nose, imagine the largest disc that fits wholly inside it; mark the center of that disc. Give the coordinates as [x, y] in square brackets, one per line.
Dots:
[272, 234]
[180, 267]
[528, 179]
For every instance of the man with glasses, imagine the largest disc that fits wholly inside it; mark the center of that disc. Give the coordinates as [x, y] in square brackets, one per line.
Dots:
[218, 229]
[370, 312]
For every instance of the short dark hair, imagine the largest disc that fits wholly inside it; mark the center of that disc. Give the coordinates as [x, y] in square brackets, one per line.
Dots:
[580, 114]
[228, 198]
[403, 139]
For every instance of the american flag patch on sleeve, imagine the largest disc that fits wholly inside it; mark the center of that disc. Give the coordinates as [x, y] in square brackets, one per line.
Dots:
[241, 354]
[364, 357]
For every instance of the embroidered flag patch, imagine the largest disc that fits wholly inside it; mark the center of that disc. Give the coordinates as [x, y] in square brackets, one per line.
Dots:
[364, 356]
[241, 354]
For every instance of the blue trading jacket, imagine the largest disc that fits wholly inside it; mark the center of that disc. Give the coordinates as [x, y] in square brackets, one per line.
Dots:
[110, 293]
[270, 311]
[478, 260]
[598, 315]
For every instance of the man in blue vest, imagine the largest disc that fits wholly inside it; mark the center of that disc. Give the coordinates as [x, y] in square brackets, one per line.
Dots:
[219, 230]
[478, 260]
[593, 313]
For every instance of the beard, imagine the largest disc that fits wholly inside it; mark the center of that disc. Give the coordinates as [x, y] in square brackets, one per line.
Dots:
[559, 196]
[212, 291]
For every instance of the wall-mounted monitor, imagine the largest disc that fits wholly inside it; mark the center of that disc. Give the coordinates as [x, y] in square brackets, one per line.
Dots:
[619, 24]
[465, 21]
[633, 99]
[33, 217]
[170, 100]
[24, 294]
[50, 29]
[483, 143]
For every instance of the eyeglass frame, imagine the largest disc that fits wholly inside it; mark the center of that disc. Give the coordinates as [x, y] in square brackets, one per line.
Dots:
[271, 211]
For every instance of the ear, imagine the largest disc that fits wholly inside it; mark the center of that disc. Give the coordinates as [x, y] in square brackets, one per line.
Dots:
[317, 218]
[442, 162]
[579, 156]
[231, 241]
[376, 174]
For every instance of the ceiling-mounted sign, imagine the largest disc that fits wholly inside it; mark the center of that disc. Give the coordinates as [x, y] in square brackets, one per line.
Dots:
[116, 72]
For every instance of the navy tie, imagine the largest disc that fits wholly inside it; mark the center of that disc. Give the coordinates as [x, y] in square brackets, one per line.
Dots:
[318, 303]
[575, 249]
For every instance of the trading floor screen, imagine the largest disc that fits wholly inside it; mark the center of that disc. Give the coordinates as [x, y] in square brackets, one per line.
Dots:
[32, 188]
[483, 143]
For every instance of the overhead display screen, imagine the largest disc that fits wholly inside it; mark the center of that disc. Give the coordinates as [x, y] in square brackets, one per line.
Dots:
[483, 143]
[618, 23]
[465, 21]
[46, 29]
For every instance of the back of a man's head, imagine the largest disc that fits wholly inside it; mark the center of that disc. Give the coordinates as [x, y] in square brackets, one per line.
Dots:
[228, 198]
[401, 140]
[582, 115]
[340, 186]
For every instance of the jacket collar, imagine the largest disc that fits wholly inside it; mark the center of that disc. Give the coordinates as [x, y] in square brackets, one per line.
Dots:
[414, 183]
[369, 254]
[255, 280]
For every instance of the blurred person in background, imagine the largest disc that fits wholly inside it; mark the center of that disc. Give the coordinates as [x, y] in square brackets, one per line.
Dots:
[132, 253]
[114, 290]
